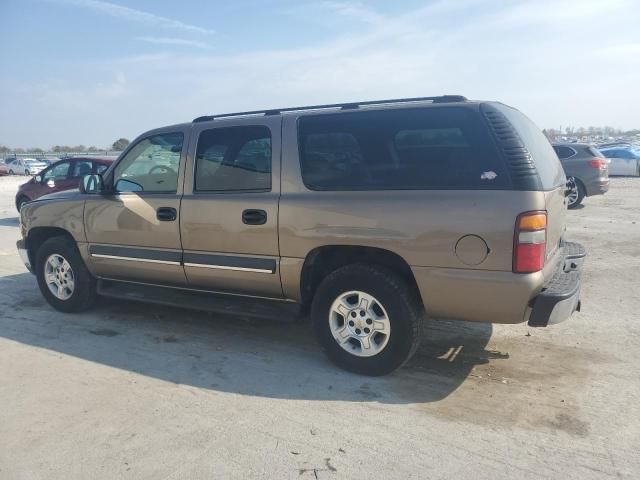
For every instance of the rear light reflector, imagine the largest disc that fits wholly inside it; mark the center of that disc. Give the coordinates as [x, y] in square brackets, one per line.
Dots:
[530, 242]
[599, 163]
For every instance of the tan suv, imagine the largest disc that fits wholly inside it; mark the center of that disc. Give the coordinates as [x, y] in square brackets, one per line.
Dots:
[370, 216]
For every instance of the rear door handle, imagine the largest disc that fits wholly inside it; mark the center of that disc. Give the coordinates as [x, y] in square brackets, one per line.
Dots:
[166, 214]
[254, 217]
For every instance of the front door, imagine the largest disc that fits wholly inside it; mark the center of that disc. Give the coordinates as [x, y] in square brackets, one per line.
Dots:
[134, 232]
[229, 214]
[54, 179]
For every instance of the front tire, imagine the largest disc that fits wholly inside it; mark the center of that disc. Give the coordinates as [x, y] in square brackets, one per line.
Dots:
[21, 201]
[63, 278]
[367, 319]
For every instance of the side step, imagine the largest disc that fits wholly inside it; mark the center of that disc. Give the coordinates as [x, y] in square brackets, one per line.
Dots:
[203, 301]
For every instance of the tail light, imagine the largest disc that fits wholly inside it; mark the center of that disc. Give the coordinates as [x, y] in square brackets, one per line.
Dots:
[599, 163]
[530, 242]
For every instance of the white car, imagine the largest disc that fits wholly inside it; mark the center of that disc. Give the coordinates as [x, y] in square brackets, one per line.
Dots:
[26, 166]
[623, 160]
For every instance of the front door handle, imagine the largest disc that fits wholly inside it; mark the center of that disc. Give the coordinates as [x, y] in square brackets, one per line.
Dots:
[166, 214]
[254, 217]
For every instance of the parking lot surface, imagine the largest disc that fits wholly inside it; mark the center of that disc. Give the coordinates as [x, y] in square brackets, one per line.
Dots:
[137, 391]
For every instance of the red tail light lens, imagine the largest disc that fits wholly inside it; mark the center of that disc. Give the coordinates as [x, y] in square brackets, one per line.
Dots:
[530, 242]
[600, 163]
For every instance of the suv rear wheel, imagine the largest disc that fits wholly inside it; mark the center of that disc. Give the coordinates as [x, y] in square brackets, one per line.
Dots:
[368, 319]
[576, 192]
[64, 281]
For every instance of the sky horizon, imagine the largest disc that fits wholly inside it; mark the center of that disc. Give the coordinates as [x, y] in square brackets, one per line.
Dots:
[92, 71]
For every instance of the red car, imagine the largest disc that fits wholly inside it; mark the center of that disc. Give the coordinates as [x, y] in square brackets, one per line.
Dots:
[62, 175]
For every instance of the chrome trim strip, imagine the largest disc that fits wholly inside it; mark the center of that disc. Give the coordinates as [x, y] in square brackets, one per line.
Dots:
[132, 259]
[223, 267]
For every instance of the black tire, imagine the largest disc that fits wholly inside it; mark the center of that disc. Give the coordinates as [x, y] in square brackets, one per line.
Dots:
[11, 172]
[581, 193]
[20, 201]
[84, 292]
[401, 302]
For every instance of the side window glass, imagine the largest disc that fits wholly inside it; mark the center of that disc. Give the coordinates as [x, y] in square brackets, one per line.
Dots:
[398, 150]
[58, 172]
[100, 167]
[151, 165]
[234, 159]
[81, 168]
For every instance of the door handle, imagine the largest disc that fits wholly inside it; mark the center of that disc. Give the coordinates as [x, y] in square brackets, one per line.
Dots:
[254, 217]
[166, 214]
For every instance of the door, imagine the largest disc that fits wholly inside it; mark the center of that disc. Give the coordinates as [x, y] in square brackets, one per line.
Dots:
[133, 232]
[229, 213]
[54, 179]
[621, 162]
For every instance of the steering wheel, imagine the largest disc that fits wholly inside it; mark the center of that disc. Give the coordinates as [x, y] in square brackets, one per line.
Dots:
[161, 169]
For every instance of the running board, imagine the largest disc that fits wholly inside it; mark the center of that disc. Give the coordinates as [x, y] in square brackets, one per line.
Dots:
[204, 301]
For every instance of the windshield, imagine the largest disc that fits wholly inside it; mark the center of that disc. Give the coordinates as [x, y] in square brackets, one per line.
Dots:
[33, 162]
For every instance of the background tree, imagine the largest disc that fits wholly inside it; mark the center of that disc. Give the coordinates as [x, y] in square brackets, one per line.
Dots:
[4, 149]
[120, 144]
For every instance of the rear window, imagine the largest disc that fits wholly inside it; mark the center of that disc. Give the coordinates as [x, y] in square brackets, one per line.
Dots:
[549, 167]
[431, 148]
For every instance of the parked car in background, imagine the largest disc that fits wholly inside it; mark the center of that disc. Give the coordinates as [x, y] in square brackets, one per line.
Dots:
[367, 215]
[586, 170]
[26, 166]
[4, 168]
[623, 160]
[62, 175]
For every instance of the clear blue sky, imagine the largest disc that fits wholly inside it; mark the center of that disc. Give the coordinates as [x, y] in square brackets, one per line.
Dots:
[90, 71]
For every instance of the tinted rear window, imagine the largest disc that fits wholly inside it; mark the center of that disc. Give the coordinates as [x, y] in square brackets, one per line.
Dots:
[547, 162]
[430, 148]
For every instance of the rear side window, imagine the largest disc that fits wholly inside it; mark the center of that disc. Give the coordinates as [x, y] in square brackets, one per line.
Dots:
[564, 152]
[430, 148]
[549, 167]
[234, 159]
[595, 152]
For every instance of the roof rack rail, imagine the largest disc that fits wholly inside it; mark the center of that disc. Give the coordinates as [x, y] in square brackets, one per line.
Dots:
[342, 106]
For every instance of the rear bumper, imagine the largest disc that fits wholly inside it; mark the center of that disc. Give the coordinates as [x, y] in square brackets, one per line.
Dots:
[598, 187]
[560, 296]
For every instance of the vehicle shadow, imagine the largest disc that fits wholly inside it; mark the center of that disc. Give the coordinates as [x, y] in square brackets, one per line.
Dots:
[9, 222]
[275, 358]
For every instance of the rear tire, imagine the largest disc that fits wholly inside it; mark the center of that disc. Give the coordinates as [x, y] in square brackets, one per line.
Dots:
[11, 172]
[577, 193]
[60, 269]
[356, 341]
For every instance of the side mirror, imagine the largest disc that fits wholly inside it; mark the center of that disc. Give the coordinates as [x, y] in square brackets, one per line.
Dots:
[92, 184]
[38, 178]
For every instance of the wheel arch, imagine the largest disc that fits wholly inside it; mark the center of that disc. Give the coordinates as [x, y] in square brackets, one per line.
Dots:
[38, 235]
[321, 261]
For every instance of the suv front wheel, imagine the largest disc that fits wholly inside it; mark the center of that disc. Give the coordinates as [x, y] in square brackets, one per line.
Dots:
[64, 280]
[368, 319]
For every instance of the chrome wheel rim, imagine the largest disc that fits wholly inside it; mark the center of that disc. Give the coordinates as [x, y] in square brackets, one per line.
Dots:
[359, 323]
[573, 191]
[59, 277]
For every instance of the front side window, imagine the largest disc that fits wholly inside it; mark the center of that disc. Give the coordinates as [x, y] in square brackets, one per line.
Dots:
[57, 172]
[151, 165]
[399, 149]
[81, 168]
[234, 159]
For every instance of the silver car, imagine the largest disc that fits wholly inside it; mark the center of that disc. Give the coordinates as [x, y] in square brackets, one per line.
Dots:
[26, 166]
[623, 160]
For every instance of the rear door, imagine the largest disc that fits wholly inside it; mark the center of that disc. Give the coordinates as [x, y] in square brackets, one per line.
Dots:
[229, 213]
[133, 232]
